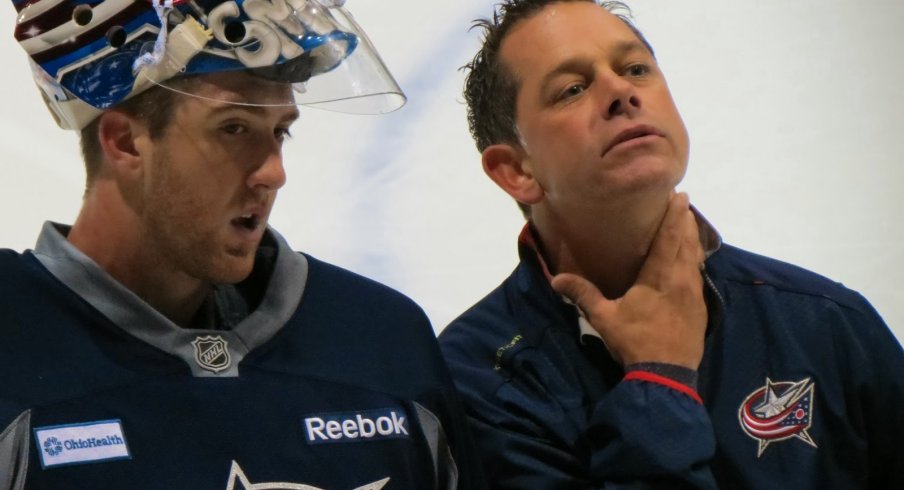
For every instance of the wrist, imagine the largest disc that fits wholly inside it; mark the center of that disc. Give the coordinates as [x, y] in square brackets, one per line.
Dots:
[678, 378]
[681, 374]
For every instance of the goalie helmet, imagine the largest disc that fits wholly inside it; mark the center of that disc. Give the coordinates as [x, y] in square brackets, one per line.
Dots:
[88, 55]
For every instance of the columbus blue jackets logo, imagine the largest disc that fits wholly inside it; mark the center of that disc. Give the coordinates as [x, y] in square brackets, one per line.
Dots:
[238, 481]
[779, 411]
[211, 353]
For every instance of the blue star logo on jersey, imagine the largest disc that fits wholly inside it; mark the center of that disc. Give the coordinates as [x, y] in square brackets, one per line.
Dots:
[238, 481]
[53, 446]
[211, 353]
[779, 411]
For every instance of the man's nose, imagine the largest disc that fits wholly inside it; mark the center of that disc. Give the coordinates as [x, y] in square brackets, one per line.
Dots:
[271, 174]
[620, 96]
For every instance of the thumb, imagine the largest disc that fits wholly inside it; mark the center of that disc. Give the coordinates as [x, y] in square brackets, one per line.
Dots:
[586, 296]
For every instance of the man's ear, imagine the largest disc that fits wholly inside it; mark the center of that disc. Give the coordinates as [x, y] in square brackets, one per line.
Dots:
[510, 170]
[118, 133]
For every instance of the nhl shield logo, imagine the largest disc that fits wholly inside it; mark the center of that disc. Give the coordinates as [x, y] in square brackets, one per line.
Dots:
[211, 353]
[778, 411]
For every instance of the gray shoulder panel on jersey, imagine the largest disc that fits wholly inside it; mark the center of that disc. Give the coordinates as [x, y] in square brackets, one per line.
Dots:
[14, 445]
[444, 465]
[209, 353]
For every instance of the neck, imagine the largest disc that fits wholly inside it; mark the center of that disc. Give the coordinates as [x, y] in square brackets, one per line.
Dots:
[108, 230]
[606, 245]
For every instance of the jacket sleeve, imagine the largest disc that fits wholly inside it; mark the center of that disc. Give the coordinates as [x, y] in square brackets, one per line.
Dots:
[642, 434]
[14, 445]
[879, 372]
[456, 461]
[464, 464]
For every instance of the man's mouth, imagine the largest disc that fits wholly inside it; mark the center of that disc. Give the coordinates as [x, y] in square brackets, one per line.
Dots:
[250, 221]
[632, 133]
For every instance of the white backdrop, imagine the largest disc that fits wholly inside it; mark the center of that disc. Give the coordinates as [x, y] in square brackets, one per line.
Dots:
[794, 109]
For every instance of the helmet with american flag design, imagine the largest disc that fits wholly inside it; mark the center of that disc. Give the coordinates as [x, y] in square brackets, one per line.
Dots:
[88, 55]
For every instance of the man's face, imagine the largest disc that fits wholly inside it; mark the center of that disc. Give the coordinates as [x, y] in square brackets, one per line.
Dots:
[213, 176]
[596, 119]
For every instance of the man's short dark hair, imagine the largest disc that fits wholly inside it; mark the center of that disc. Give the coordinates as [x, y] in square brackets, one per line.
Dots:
[154, 106]
[491, 88]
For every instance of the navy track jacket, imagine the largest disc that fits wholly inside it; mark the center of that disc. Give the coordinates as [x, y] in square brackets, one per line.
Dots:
[802, 387]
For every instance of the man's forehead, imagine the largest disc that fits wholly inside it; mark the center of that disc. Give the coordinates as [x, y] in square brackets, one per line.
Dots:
[539, 40]
[243, 88]
[219, 95]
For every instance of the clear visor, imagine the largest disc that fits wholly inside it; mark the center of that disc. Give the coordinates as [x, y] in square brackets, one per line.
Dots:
[321, 51]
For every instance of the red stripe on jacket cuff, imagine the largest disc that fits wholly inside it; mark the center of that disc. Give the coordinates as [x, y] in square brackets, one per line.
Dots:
[662, 380]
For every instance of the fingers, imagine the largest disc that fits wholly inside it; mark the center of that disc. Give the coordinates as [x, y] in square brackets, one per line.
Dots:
[690, 257]
[586, 296]
[579, 290]
[669, 241]
[691, 251]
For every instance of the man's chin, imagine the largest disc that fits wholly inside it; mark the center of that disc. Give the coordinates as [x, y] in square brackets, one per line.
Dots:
[645, 186]
[233, 267]
[654, 174]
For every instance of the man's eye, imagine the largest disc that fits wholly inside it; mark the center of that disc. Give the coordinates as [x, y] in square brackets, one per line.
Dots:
[282, 134]
[572, 91]
[637, 70]
[234, 129]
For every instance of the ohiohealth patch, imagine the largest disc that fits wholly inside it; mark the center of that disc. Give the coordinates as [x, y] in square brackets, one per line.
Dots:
[89, 442]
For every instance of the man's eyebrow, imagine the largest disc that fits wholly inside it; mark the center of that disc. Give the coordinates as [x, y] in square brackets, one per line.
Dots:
[627, 47]
[257, 110]
[580, 63]
[570, 65]
[226, 106]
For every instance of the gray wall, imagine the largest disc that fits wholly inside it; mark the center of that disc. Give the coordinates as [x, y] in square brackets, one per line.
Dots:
[794, 110]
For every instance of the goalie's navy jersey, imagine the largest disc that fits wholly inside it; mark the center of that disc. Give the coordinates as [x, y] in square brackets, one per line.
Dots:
[332, 382]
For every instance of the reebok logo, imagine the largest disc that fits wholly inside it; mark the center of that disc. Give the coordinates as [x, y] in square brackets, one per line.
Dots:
[356, 426]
